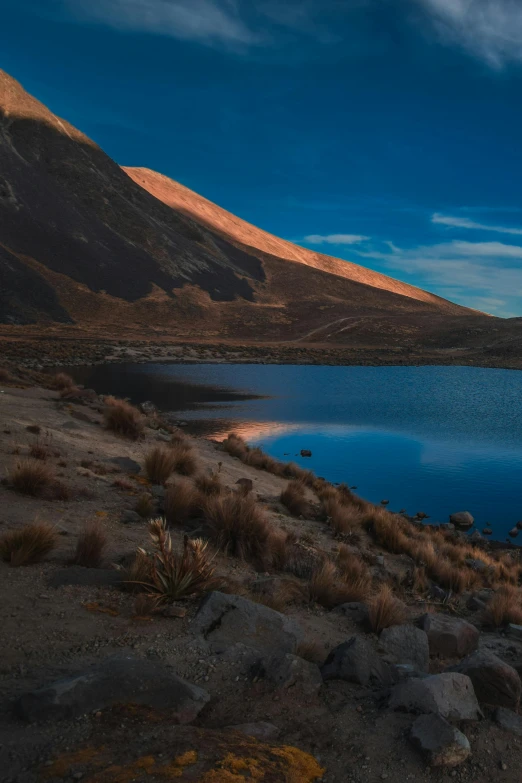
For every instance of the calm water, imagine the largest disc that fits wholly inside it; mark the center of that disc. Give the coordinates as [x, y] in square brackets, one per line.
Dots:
[432, 439]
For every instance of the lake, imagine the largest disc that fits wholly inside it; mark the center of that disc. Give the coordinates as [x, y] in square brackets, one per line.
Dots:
[431, 439]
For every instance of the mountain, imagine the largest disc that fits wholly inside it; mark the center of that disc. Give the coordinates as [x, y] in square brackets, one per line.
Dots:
[88, 247]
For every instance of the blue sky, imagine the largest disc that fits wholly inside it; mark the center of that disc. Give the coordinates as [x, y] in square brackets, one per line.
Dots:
[386, 132]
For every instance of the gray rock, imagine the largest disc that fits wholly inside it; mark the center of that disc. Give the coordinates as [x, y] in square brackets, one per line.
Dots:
[476, 537]
[131, 518]
[224, 620]
[261, 731]
[515, 631]
[148, 408]
[306, 453]
[354, 610]
[514, 532]
[509, 720]
[476, 565]
[495, 682]
[449, 637]
[288, 671]
[356, 661]
[450, 695]
[462, 519]
[119, 680]
[407, 644]
[246, 483]
[127, 464]
[89, 577]
[487, 531]
[447, 526]
[442, 744]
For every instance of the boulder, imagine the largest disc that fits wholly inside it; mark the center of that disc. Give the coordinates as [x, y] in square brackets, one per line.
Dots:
[306, 453]
[462, 519]
[89, 577]
[131, 518]
[449, 637]
[126, 464]
[514, 631]
[288, 671]
[407, 644]
[509, 720]
[224, 620]
[356, 661]
[487, 531]
[118, 680]
[246, 483]
[441, 743]
[495, 682]
[449, 694]
[514, 532]
[354, 610]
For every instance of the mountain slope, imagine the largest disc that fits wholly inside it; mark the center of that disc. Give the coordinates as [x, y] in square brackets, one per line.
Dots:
[88, 247]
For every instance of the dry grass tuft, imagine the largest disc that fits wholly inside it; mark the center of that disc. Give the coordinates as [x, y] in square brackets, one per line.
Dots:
[123, 418]
[385, 610]
[176, 575]
[35, 478]
[90, 546]
[209, 484]
[235, 446]
[182, 501]
[62, 381]
[239, 526]
[280, 596]
[184, 459]
[329, 588]
[28, 545]
[145, 505]
[293, 497]
[505, 607]
[159, 464]
[343, 519]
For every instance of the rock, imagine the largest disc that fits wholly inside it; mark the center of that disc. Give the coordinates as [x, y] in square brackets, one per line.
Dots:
[519, 525]
[260, 731]
[306, 453]
[462, 519]
[81, 416]
[447, 526]
[449, 637]
[287, 671]
[476, 537]
[379, 560]
[476, 565]
[354, 610]
[247, 483]
[514, 532]
[148, 408]
[475, 604]
[225, 619]
[90, 577]
[449, 694]
[385, 502]
[131, 518]
[127, 464]
[407, 644]
[356, 661]
[487, 531]
[119, 680]
[509, 720]
[515, 631]
[174, 611]
[495, 682]
[442, 744]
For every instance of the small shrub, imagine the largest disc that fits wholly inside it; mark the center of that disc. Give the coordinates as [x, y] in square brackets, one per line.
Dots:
[235, 446]
[137, 573]
[184, 459]
[343, 519]
[208, 484]
[329, 588]
[35, 429]
[239, 525]
[385, 610]
[505, 607]
[90, 546]
[32, 477]
[28, 545]
[62, 381]
[145, 505]
[172, 575]
[39, 449]
[159, 464]
[293, 497]
[123, 418]
[182, 501]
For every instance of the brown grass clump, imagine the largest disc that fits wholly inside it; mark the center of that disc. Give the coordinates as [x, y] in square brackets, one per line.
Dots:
[5, 375]
[505, 607]
[343, 519]
[28, 545]
[184, 459]
[285, 593]
[123, 418]
[293, 497]
[209, 484]
[420, 582]
[182, 501]
[175, 575]
[235, 446]
[32, 477]
[90, 546]
[145, 505]
[159, 464]
[62, 381]
[239, 525]
[329, 588]
[385, 610]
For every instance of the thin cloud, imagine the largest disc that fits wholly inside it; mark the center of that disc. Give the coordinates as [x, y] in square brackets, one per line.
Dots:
[460, 222]
[335, 239]
[488, 29]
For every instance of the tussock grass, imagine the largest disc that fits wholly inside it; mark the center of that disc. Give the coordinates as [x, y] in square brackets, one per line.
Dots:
[123, 418]
[343, 519]
[90, 546]
[182, 501]
[503, 608]
[159, 464]
[235, 446]
[329, 588]
[239, 526]
[145, 505]
[385, 610]
[36, 478]
[293, 497]
[209, 484]
[62, 381]
[285, 593]
[185, 459]
[28, 545]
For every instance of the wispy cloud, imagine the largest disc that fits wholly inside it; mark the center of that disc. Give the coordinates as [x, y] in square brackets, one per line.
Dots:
[335, 239]
[487, 274]
[460, 222]
[489, 29]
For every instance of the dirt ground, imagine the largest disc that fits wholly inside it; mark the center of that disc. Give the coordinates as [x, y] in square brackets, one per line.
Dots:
[48, 633]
